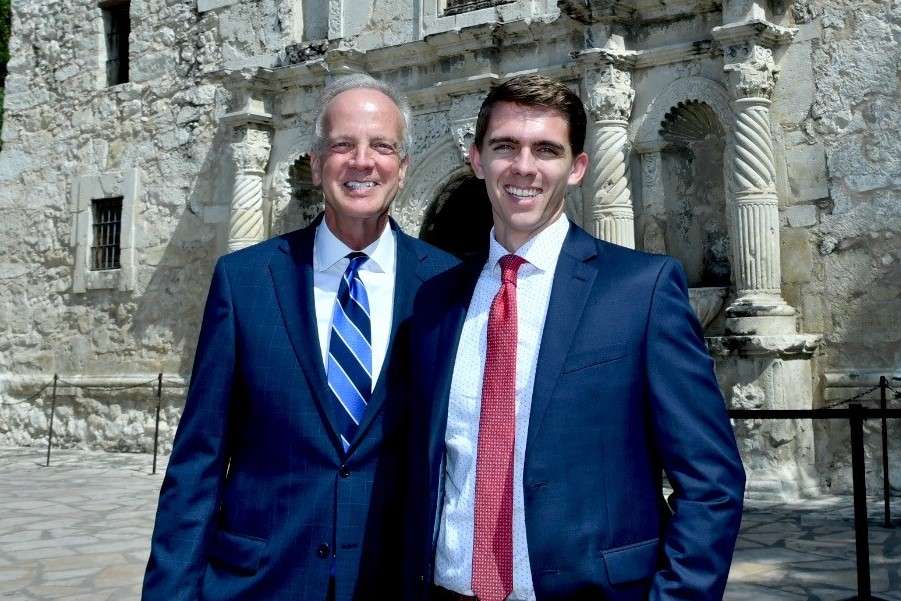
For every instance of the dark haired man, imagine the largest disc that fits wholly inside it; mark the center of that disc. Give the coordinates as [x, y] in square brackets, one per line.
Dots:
[552, 384]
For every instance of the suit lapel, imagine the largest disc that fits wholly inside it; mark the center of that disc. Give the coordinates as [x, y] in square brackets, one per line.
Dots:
[445, 340]
[573, 280]
[291, 270]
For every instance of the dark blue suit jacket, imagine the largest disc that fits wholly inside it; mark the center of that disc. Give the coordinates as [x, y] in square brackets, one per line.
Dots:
[258, 495]
[624, 389]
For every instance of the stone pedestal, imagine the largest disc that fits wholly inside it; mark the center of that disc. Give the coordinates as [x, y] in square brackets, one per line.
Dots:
[771, 372]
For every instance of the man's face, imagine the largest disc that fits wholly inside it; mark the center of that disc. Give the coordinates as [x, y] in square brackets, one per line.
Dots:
[527, 163]
[360, 170]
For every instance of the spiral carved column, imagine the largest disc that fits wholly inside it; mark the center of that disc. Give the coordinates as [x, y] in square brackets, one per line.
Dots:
[755, 204]
[250, 150]
[607, 195]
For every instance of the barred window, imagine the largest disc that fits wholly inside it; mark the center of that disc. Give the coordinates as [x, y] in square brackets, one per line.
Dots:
[117, 26]
[106, 214]
[455, 7]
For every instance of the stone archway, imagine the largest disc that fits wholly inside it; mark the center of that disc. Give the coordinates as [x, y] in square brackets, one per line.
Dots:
[459, 219]
[694, 193]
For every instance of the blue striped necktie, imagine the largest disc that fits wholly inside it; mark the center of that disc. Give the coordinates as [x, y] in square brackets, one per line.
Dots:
[349, 367]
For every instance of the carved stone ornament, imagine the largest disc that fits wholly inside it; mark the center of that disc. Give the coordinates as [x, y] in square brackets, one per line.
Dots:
[250, 148]
[610, 94]
[753, 72]
[464, 131]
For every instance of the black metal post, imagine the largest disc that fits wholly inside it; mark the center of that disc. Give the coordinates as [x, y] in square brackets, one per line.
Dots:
[52, 411]
[156, 430]
[886, 485]
[861, 531]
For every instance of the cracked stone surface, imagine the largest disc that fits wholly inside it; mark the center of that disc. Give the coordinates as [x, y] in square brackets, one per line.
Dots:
[80, 529]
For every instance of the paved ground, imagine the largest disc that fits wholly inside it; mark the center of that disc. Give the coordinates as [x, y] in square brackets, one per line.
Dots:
[79, 531]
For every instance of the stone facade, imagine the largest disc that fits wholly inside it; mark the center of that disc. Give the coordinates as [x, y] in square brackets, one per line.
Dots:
[752, 139]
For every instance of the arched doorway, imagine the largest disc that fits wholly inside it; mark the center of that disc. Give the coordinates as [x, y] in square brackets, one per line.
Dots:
[459, 219]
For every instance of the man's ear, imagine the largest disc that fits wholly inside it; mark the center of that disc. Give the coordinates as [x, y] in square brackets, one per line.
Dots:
[577, 172]
[315, 164]
[402, 172]
[475, 161]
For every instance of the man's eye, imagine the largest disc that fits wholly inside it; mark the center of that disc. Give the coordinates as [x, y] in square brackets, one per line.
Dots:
[385, 148]
[341, 146]
[548, 151]
[502, 147]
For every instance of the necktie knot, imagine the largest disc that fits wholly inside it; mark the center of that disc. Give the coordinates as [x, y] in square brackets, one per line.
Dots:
[509, 267]
[356, 259]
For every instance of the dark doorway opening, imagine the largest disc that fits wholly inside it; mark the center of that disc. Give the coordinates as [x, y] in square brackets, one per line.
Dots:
[459, 220]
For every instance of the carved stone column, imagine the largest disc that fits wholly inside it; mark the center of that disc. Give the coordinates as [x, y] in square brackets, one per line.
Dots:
[606, 190]
[653, 213]
[251, 144]
[755, 205]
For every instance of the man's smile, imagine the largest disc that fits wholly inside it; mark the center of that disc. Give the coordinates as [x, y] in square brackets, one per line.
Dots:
[522, 192]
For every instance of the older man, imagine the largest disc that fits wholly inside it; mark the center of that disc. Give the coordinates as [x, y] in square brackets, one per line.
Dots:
[553, 381]
[284, 471]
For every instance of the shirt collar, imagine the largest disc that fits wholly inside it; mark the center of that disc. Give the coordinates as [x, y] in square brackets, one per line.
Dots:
[541, 250]
[328, 250]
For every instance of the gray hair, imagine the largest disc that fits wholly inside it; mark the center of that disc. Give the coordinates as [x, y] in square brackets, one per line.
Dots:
[366, 82]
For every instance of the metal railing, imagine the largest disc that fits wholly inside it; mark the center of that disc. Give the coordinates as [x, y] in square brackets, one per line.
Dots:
[855, 414]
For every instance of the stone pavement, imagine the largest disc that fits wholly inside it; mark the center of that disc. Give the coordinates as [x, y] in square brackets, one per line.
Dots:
[79, 531]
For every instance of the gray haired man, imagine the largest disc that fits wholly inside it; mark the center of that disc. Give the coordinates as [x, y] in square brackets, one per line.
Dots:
[284, 477]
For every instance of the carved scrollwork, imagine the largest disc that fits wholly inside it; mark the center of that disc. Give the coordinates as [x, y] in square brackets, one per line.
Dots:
[610, 93]
[753, 157]
[609, 202]
[752, 70]
[251, 148]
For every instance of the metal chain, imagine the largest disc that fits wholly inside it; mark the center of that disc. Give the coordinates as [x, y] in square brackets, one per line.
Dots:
[852, 399]
[32, 397]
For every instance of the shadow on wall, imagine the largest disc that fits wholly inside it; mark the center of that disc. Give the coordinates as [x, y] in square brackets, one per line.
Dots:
[170, 308]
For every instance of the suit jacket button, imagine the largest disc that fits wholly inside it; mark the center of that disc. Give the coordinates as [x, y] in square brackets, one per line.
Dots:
[323, 551]
[344, 472]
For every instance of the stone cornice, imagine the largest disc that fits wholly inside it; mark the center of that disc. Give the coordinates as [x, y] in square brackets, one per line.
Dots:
[601, 57]
[757, 30]
[788, 346]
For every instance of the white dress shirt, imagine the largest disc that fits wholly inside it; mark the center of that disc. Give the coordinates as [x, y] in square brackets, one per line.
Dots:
[453, 558]
[329, 262]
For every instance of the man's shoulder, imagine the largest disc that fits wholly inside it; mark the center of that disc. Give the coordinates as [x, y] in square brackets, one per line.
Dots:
[584, 246]
[261, 253]
[433, 261]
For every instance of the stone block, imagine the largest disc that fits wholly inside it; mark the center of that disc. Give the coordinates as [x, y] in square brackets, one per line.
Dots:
[208, 5]
[806, 171]
[801, 215]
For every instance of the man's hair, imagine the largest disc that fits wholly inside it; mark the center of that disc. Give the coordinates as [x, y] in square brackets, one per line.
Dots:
[537, 91]
[363, 81]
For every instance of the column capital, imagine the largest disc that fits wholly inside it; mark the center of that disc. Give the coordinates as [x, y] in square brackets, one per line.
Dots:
[751, 69]
[251, 144]
[609, 93]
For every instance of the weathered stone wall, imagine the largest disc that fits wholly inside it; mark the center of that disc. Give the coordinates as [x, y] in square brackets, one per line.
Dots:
[836, 158]
[63, 122]
[838, 104]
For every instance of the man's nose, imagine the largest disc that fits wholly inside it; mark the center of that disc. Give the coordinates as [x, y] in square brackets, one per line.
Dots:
[362, 156]
[524, 162]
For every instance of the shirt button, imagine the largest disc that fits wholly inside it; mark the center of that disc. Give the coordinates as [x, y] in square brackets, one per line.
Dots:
[344, 472]
[323, 551]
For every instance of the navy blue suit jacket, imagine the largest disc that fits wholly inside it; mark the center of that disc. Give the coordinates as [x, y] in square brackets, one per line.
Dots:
[258, 495]
[624, 389]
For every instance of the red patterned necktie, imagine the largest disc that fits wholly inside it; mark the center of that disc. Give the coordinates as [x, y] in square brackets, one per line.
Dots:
[492, 552]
